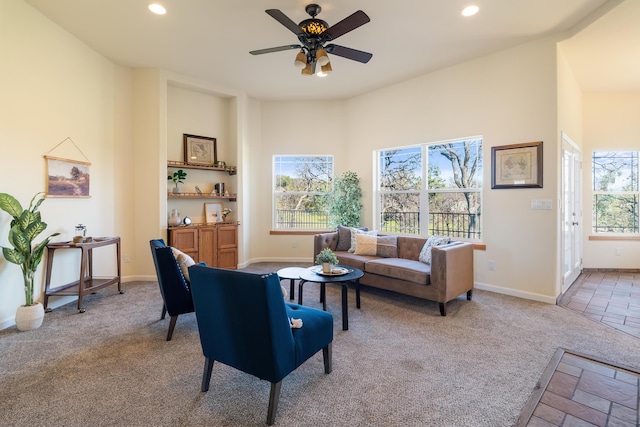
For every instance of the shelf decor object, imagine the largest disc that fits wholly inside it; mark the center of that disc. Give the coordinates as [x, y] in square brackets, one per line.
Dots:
[200, 150]
[517, 166]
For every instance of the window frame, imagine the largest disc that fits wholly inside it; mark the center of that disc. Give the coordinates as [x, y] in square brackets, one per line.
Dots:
[635, 193]
[424, 191]
[328, 159]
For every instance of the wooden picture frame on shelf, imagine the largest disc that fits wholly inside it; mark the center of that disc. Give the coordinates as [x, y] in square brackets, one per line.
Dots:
[200, 150]
[517, 166]
[213, 212]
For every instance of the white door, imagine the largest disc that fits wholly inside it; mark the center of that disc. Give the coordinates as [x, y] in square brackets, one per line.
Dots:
[571, 212]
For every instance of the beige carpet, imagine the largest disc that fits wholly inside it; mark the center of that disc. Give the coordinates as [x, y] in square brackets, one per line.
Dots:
[400, 363]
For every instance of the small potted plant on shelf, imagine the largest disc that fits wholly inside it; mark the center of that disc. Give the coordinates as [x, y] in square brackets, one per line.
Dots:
[327, 259]
[177, 178]
[225, 213]
[26, 225]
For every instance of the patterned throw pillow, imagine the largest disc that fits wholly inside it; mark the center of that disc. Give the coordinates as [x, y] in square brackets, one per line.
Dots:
[344, 237]
[355, 232]
[432, 241]
[184, 261]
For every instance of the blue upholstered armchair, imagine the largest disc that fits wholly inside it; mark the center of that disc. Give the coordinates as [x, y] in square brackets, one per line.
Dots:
[173, 286]
[244, 323]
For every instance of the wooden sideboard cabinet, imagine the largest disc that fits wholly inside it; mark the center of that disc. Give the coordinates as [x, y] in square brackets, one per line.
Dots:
[214, 244]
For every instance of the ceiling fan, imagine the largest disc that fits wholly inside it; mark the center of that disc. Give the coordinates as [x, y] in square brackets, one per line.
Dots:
[314, 34]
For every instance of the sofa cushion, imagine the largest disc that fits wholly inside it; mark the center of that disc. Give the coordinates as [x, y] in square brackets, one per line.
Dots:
[353, 260]
[432, 241]
[355, 232]
[366, 245]
[400, 268]
[387, 246]
[344, 237]
[382, 246]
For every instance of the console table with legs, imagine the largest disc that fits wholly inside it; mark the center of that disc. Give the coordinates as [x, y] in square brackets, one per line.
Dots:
[87, 283]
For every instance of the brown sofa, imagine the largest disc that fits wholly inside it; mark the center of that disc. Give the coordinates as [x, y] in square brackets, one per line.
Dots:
[449, 275]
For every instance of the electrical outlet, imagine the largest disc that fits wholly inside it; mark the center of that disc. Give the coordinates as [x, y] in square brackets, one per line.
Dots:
[492, 265]
[618, 252]
[126, 258]
[294, 244]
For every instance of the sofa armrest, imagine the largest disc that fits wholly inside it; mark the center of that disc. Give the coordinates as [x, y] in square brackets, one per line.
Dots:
[452, 270]
[324, 240]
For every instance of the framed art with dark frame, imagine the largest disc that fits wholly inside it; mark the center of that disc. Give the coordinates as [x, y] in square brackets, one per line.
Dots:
[517, 166]
[200, 150]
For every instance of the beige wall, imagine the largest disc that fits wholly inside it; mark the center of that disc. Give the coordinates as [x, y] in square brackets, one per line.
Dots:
[610, 122]
[128, 122]
[54, 87]
[507, 97]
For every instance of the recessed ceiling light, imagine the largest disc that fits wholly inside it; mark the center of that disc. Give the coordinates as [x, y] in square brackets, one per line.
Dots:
[158, 9]
[470, 10]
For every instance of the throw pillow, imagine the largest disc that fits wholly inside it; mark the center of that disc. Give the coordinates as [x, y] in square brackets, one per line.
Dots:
[344, 237]
[355, 232]
[432, 241]
[366, 244]
[184, 261]
[387, 246]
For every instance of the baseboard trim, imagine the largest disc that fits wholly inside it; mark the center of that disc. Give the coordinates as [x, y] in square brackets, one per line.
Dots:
[515, 293]
[611, 270]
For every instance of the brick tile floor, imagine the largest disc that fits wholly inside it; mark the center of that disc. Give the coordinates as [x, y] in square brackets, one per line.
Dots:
[609, 298]
[576, 390]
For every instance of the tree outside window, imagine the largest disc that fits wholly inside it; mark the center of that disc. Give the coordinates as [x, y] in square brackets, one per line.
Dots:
[301, 184]
[615, 191]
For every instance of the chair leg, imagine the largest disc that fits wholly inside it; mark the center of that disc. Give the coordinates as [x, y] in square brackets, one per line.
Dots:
[443, 309]
[206, 374]
[274, 397]
[172, 325]
[469, 294]
[327, 357]
[164, 312]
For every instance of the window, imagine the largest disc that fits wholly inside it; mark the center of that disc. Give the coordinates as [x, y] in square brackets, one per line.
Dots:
[301, 184]
[440, 182]
[615, 191]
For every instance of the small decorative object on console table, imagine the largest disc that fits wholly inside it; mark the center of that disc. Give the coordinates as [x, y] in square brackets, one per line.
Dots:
[25, 226]
[327, 259]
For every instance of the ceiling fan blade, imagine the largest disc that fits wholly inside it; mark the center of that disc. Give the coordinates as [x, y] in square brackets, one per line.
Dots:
[275, 49]
[285, 20]
[349, 23]
[347, 52]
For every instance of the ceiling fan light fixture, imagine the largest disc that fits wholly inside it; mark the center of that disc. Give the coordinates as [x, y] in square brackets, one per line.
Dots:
[306, 71]
[301, 60]
[324, 70]
[321, 57]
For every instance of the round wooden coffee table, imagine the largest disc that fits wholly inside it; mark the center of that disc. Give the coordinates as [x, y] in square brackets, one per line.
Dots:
[352, 275]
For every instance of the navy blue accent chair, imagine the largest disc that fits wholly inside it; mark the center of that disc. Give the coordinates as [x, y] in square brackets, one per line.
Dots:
[243, 322]
[174, 288]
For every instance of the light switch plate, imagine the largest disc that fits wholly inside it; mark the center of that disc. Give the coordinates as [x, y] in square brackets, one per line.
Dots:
[544, 204]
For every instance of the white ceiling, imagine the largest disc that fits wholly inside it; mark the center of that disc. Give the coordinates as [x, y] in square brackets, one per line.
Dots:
[211, 39]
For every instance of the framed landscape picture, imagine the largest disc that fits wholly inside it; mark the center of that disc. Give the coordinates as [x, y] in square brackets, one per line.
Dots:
[67, 178]
[517, 166]
[200, 150]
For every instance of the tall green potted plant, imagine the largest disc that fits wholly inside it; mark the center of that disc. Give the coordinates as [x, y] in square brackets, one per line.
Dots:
[345, 203]
[26, 225]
